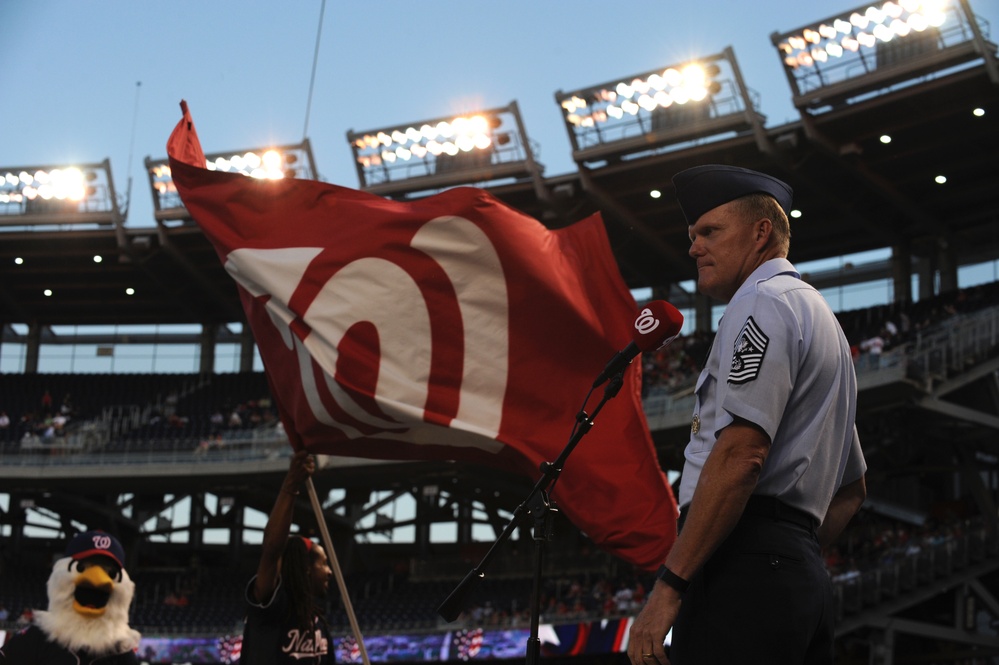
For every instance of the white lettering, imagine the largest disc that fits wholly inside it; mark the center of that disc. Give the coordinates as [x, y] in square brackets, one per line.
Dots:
[302, 644]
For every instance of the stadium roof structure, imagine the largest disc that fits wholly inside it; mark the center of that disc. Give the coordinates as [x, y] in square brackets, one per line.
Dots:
[903, 154]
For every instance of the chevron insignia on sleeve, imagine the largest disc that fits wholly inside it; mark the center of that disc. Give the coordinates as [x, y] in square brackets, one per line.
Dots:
[747, 357]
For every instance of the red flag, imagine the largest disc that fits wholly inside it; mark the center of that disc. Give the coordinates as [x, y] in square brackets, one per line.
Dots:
[452, 327]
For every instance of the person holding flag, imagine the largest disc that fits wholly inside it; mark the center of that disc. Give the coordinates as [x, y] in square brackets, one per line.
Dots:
[284, 619]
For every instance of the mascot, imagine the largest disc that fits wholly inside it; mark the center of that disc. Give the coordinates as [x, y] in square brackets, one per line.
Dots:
[87, 620]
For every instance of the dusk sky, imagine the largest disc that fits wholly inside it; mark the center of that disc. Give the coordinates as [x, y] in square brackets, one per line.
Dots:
[70, 90]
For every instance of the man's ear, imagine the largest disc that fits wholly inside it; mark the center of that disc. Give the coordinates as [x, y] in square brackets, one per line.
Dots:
[764, 229]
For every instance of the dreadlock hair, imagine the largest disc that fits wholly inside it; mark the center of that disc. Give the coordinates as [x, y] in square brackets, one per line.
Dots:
[296, 562]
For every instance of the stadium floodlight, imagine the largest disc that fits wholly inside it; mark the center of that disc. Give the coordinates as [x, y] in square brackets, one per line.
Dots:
[879, 45]
[664, 107]
[274, 163]
[481, 147]
[65, 195]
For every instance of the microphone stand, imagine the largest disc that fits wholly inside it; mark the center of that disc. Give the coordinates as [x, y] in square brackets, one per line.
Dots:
[542, 509]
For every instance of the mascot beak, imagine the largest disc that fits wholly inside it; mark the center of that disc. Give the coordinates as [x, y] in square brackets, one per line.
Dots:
[93, 589]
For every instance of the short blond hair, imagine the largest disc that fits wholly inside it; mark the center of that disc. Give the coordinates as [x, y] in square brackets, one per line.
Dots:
[758, 206]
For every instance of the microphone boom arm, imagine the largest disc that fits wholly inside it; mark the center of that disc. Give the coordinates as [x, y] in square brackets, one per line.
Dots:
[537, 504]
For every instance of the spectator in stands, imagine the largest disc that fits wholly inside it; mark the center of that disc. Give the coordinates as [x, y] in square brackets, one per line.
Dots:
[638, 595]
[773, 452]
[177, 421]
[170, 403]
[622, 598]
[890, 334]
[59, 424]
[284, 621]
[155, 417]
[873, 346]
[254, 417]
[47, 429]
[216, 421]
[4, 613]
[4, 420]
[27, 617]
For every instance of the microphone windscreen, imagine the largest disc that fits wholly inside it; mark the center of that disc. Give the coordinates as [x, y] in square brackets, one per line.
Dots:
[657, 324]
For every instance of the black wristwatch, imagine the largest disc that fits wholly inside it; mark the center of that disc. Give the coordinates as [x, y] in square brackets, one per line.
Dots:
[672, 579]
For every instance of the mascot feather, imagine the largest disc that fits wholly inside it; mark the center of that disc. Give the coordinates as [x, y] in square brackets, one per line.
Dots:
[87, 620]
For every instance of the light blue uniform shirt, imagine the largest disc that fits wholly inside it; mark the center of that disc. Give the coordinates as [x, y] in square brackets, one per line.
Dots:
[780, 360]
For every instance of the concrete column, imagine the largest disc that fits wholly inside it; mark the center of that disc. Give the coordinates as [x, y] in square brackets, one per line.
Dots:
[947, 265]
[425, 511]
[927, 278]
[246, 347]
[207, 361]
[237, 530]
[901, 268]
[702, 311]
[464, 522]
[196, 521]
[32, 348]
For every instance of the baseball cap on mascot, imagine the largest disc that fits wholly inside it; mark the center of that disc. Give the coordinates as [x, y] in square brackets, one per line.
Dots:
[96, 543]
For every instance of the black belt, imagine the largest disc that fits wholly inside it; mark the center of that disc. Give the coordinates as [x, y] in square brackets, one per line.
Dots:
[770, 507]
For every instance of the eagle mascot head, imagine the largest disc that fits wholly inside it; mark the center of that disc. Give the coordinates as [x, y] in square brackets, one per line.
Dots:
[89, 596]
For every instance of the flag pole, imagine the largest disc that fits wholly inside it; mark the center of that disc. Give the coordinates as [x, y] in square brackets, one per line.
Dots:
[335, 565]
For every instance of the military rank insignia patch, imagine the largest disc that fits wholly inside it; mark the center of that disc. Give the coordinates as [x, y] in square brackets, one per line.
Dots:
[747, 357]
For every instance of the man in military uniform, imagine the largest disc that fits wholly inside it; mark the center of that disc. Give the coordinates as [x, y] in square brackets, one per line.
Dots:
[774, 469]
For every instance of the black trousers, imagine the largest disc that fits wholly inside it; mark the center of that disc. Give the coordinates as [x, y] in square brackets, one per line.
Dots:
[764, 597]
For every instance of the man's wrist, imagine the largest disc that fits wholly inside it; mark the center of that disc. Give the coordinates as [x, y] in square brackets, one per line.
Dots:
[671, 579]
[292, 488]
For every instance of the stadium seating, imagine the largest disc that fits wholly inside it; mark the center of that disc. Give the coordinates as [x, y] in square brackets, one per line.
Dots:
[872, 568]
[386, 602]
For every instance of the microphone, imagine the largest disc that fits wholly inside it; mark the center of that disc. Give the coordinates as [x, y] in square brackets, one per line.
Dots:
[657, 325]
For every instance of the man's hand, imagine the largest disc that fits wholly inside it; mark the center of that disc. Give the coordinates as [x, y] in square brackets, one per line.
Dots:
[648, 631]
[844, 505]
[300, 468]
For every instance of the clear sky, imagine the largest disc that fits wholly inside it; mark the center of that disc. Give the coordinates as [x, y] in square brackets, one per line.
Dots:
[69, 93]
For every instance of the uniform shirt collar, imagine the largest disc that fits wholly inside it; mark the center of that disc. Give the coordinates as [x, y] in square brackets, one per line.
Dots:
[769, 269]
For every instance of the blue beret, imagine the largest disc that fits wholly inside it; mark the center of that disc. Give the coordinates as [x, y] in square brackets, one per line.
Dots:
[703, 188]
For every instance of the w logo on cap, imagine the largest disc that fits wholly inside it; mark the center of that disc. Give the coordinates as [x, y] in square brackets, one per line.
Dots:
[96, 543]
[102, 541]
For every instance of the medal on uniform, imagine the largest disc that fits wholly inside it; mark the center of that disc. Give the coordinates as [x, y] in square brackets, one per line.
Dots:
[695, 424]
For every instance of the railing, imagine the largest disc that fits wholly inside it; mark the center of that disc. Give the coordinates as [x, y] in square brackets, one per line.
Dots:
[911, 571]
[856, 590]
[934, 354]
[952, 346]
[255, 445]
